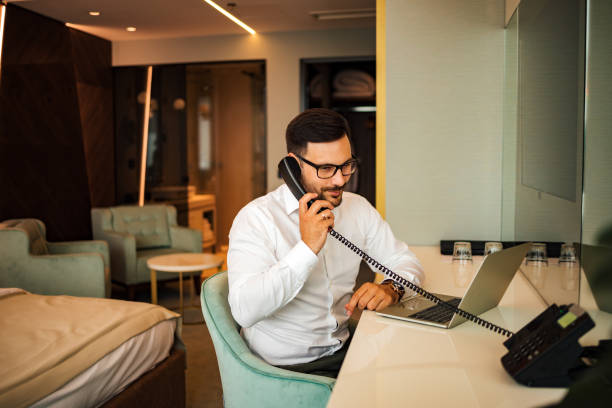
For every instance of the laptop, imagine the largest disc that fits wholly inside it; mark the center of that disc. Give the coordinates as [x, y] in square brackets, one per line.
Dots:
[485, 291]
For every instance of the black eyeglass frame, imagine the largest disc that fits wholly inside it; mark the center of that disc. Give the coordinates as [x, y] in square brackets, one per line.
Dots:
[353, 159]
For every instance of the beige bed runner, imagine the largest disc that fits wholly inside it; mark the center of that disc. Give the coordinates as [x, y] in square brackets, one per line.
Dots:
[45, 341]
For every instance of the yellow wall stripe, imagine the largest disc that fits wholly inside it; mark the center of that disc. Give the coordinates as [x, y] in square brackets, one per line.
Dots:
[380, 108]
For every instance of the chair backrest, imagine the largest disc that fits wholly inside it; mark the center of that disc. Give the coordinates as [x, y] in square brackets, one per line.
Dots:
[34, 229]
[248, 380]
[149, 224]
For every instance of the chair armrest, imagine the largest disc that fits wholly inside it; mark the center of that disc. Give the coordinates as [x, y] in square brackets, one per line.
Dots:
[76, 274]
[256, 363]
[14, 244]
[75, 247]
[187, 239]
[122, 247]
[289, 388]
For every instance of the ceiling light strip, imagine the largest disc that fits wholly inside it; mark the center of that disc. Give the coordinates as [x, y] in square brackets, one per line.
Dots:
[230, 16]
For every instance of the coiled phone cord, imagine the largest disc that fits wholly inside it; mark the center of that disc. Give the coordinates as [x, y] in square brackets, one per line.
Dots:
[429, 296]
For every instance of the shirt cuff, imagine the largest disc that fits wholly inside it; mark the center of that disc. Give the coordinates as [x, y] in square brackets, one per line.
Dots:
[301, 260]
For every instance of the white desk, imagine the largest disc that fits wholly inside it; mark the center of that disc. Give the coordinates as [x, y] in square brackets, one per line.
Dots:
[394, 363]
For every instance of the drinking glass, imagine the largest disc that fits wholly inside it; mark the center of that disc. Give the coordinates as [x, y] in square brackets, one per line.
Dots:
[491, 247]
[462, 263]
[568, 253]
[462, 251]
[537, 253]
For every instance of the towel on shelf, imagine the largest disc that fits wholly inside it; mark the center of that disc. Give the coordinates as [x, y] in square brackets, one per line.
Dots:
[351, 83]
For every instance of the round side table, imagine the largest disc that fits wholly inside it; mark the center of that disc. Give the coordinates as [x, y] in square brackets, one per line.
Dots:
[179, 263]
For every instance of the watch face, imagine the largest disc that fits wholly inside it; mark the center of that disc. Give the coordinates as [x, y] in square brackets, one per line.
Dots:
[398, 288]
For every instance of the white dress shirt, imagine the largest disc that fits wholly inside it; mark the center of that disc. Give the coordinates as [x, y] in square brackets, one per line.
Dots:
[289, 301]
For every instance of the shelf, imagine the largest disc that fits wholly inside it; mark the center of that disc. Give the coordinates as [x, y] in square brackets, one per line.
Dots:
[354, 108]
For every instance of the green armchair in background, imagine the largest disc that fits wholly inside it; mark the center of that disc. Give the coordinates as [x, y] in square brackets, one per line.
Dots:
[247, 380]
[135, 234]
[28, 261]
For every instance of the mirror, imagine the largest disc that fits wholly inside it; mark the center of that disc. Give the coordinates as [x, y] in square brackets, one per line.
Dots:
[596, 248]
[550, 194]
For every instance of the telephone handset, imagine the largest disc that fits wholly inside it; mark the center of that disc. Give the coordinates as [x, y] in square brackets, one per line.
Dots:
[290, 171]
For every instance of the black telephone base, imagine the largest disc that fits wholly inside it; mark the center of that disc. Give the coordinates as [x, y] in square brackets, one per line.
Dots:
[546, 352]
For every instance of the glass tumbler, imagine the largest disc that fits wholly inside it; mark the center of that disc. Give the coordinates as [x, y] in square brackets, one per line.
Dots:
[537, 253]
[462, 251]
[491, 247]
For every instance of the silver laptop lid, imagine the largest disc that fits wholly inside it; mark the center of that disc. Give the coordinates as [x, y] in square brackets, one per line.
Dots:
[491, 281]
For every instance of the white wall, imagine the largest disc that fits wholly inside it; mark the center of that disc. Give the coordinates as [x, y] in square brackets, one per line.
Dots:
[282, 53]
[445, 77]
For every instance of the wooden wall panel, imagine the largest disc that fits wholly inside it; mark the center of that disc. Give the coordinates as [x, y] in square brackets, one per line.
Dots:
[94, 82]
[43, 166]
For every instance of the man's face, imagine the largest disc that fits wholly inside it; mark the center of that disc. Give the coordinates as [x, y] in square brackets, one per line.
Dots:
[337, 152]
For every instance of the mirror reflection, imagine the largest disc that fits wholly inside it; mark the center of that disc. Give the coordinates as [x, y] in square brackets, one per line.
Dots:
[557, 89]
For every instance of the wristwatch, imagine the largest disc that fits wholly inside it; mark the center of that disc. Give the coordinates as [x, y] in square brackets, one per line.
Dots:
[396, 287]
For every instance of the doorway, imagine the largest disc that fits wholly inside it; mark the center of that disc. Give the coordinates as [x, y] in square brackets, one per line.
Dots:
[206, 136]
[226, 136]
[347, 86]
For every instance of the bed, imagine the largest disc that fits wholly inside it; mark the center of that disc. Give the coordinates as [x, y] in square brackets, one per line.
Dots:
[65, 351]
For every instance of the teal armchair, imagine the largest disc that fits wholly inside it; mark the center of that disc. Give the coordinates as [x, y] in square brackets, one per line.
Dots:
[247, 380]
[30, 262]
[135, 234]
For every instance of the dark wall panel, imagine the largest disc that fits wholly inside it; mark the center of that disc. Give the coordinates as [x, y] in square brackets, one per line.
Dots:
[43, 166]
[94, 82]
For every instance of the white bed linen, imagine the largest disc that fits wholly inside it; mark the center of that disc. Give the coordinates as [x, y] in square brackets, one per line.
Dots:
[115, 371]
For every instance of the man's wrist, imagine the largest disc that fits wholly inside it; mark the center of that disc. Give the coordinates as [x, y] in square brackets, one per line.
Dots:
[395, 287]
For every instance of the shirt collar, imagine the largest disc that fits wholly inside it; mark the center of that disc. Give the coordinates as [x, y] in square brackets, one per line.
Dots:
[289, 200]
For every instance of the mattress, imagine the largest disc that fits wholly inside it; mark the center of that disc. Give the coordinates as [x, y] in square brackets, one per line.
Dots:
[69, 351]
[115, 371]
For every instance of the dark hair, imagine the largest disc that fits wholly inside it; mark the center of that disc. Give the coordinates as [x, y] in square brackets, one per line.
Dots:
[316, 126]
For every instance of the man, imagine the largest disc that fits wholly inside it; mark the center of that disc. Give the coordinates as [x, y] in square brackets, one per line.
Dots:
[290, 284]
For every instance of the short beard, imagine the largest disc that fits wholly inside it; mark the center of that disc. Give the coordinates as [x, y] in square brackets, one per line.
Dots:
[341, 188]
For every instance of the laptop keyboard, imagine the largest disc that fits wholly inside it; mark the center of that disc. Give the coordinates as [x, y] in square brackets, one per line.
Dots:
[437, 313]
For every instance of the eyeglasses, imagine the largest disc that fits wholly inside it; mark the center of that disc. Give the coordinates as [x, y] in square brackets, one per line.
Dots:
[326, 171]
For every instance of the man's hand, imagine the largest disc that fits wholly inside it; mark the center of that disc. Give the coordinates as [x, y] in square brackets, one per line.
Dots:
[314, 225]
[371, 296]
